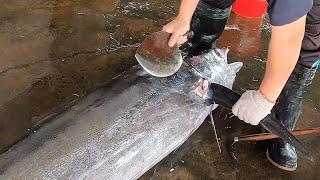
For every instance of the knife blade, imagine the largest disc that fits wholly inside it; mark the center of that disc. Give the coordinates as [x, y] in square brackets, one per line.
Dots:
[157, 58]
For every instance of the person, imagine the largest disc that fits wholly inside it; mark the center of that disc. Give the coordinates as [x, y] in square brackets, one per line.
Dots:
[293, 59]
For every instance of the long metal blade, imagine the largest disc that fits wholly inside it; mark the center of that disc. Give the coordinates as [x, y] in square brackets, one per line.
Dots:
[273, 125]
[227, 98]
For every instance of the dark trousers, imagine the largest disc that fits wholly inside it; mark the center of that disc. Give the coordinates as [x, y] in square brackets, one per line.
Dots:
[310, 49]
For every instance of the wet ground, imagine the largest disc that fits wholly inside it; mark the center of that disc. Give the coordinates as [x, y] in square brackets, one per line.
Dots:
[55, 52]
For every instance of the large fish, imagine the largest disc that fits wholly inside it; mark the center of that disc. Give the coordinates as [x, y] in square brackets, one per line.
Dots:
[122, 130]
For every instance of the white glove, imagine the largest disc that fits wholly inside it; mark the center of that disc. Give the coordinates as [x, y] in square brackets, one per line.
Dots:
[252, 107]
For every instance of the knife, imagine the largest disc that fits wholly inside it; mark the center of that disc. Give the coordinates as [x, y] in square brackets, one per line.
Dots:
[227, 98]
[157, 58]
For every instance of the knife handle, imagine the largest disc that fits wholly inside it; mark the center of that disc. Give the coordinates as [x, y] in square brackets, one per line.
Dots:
[189, 35]
[224, 96]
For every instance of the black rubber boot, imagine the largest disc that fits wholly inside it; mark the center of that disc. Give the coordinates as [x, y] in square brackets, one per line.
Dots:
[288, 110]
[207, 23]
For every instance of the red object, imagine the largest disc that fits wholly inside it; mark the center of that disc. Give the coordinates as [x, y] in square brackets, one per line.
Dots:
[250, 8]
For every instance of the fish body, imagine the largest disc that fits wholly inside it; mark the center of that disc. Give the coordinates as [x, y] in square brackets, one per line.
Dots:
[119, 131]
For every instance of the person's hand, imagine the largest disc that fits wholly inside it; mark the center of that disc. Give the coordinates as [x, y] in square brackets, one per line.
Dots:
[177, 28]
[252, 107]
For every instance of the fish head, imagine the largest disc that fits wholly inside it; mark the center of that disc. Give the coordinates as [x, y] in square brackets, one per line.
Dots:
[213, 65]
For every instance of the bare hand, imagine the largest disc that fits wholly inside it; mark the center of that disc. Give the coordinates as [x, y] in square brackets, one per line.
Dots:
[178, 28]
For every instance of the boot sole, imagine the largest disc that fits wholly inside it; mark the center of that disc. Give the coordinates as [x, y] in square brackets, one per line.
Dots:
[278, 165]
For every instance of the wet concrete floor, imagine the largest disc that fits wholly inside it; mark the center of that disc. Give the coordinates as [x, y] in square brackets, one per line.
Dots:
[55, 52]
